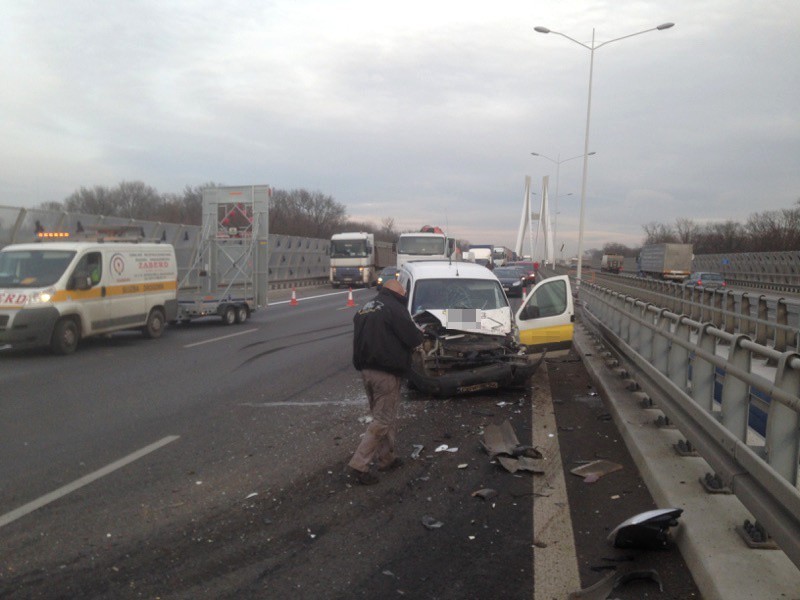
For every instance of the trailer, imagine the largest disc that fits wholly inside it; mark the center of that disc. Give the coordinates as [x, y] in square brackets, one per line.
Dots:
[228, 273]
[665, 261]
[611, 263]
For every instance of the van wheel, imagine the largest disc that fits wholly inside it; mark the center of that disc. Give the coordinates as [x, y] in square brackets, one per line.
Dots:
[228, 315]
[65, 337]
[155, 324]
[241, 314]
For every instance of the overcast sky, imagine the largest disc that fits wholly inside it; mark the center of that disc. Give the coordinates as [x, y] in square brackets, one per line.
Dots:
[424, 111]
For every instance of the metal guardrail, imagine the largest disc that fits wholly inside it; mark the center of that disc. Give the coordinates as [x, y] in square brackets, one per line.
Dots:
[679, 361]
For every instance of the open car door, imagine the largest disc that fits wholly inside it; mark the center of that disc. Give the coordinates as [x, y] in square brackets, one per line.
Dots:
[546, 317]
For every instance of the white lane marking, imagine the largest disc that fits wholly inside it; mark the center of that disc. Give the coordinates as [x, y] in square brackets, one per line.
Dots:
[85, 480]
[219, 339]
[319, 296]
[359, 402]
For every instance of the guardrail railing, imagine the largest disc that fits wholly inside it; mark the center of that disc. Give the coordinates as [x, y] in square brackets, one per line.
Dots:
[681, 360]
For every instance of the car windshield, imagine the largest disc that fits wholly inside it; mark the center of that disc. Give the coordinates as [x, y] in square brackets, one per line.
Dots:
[32, 268]
[349, 248]
[440, 294]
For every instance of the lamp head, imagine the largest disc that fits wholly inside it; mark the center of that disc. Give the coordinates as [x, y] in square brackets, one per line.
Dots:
[541, 29]
[665, 26]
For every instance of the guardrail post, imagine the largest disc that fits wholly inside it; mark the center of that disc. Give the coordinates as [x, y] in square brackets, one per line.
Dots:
[746, 323]
[705, 305]
[761, 321]
[660, 343]
[729, 318]
[694, 309]
[783, 423]
[735, 392]
[646, 333]
[716, 311]
[625, 321]
[678, 368]
[781, 325]
[703, 376]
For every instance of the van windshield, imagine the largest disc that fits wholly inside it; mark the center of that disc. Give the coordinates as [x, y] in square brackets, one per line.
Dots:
[440, 294]
[33, 268]
[422, 245]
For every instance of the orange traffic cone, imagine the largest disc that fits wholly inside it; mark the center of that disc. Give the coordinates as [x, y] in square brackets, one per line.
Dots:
[294, 298]
[350, 301]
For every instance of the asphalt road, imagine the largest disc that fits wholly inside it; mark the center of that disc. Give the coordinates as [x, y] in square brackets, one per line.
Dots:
[210, 464]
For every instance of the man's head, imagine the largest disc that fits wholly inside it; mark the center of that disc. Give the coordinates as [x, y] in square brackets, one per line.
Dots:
[395, 286]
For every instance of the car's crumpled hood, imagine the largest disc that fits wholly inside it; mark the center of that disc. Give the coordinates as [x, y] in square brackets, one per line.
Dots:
[489, 322]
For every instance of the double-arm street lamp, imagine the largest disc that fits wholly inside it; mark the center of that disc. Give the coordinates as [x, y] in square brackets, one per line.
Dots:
[591, 49]
[557, 162]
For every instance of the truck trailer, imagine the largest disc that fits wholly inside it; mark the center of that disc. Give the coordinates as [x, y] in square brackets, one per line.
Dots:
[227, 274]
[357, 259]
[665, 261]
[611, 263]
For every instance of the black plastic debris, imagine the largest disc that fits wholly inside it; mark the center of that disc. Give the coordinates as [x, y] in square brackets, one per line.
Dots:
[431, 522]
[613, 581]
[648, 530]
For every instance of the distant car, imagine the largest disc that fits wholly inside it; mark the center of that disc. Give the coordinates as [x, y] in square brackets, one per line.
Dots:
[705, 279]
[530, 270]
[513, 279]
[386, 274]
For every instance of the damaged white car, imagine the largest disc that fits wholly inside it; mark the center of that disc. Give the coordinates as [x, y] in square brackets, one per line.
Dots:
[471, 338]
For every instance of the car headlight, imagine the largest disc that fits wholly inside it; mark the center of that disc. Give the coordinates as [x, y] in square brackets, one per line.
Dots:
[41, 296]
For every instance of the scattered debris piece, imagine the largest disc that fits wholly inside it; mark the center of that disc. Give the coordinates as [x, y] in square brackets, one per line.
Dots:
[431, 522]
[596, 469]
[485, 493]
[365, 419]
[251, 495]
[417, 449]
[481, 412]
[463, 466]
[648, 530]
[523, 463]
[445, 448]
[613, 581]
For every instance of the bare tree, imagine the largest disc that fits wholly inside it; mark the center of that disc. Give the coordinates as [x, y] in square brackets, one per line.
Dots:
[687, 230]
[658, 233]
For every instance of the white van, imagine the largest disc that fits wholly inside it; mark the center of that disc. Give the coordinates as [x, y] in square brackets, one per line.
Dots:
[472, 342]
[55, 293]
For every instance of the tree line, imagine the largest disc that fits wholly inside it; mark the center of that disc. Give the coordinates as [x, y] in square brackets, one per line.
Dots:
[297, 212]
[768, 231]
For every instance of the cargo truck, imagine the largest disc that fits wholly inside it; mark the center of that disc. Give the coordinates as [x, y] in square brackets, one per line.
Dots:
[227, 274]
[430, 243]
[483, 254]
[611, 263]
[665, 261]
[357, 259]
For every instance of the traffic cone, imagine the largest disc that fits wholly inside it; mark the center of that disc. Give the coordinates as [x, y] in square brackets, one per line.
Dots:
[350, 301]
[294, 298]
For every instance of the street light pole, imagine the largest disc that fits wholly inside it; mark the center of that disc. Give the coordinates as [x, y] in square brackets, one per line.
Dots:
[591, 49]
[558, 172]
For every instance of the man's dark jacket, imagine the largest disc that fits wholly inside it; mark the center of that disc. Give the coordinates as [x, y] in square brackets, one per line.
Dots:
[384, 334]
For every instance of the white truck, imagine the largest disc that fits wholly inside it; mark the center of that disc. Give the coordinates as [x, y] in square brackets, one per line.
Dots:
[228, 273]
[429, 243]
[482, 254]
[357, 259]
[57, 293]
[665, 261]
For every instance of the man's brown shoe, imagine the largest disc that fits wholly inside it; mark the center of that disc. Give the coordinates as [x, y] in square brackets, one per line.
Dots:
[395, 464]
[364, 477]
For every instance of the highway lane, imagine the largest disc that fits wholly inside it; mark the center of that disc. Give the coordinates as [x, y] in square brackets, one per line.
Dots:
[62, 418]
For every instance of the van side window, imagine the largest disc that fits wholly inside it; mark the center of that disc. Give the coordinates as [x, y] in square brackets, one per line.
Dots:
[91, 266]
[549, 300]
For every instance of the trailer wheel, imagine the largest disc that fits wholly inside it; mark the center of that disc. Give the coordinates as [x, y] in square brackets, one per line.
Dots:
[155, 324]
[241, 314]
[228, 315]
[65, 337]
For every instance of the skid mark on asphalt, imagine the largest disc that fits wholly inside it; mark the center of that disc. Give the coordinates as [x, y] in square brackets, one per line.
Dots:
[273, 350]
[347, 326]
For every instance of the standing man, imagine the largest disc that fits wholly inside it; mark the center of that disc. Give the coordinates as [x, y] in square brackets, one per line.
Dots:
[383, 338]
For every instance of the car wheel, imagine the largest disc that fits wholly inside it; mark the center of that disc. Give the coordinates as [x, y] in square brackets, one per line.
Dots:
[228, 315]
[65, 337]
[155, 324]
[241, 314]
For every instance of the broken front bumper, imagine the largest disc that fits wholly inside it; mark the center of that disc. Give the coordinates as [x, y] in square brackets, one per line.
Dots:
[454, 382]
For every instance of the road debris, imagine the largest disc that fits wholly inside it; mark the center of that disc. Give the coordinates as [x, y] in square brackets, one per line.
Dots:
[603, 588]
[445, 448]
[594, 470]
[417, 449]
[485, 493]
[501, 442]
[431, 522]
[648, 530]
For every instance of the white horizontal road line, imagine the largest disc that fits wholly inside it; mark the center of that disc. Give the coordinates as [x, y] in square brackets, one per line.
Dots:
[219, 339]
[85, 480]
